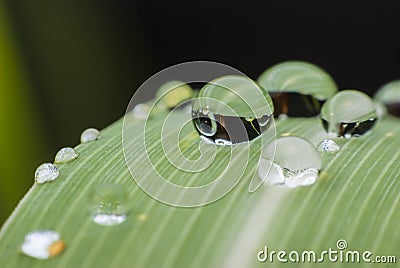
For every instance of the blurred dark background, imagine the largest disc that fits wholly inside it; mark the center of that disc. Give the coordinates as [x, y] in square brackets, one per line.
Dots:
[69, 65]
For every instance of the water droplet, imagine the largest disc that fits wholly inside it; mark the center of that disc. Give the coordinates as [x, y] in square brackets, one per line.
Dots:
[42, 244]
[349, 113]
[109, 204]
[389, 95]
[297, 88]
[231, 110]
[296, 162]
[141, 111]
[90, 134]
[328, 146]
[46, 172]
[173, 93]
[66, 155]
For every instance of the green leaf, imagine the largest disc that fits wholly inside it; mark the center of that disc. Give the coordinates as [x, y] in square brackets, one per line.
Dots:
[355, 198]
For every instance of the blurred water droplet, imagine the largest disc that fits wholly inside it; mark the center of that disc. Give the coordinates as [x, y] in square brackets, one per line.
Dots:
[90, 134]
[46, 172]
[328, 146]
[141, 111]
[65, 155]
[296, 162]
[297, 88]
[173, 93]
[389, 95]
[232, 109]
[42, 244]
[109, 204]
[349, 113]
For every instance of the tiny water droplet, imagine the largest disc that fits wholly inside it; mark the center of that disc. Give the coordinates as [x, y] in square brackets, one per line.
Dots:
[389, 96]
[349, 113]
[42, 244]
[296, 162]
[173, 93]
[141, 111]
[232, 109]
[46, 172]
[328, 146]
[90, 134]
[109, 204]
[297, 88]
[65, 155]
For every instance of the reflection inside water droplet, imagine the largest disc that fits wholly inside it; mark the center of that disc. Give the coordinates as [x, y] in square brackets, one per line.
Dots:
[231, 110]
[46, 172]
[328, 146]
[296, 162]
[349, 113]
[109, 204]
[90, 134]
[65, 155]
[42, 244]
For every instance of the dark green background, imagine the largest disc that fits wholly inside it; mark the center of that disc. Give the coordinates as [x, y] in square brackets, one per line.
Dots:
[69, 65]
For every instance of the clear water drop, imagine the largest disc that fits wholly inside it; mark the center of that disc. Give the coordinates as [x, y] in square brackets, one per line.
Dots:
[46, 172]
[389, 96]
[296, 162]
[349, 113]
[328, 146]
[173, 93]
[90, 134]
[42, 244]
[232, 109]
[109, 204]
[65, 155]
[141, 111]
[297, 88]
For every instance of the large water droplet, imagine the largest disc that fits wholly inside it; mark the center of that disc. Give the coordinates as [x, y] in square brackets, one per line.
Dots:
[389, 95]
[328, 146]
[65, 155]
[173, 93]
[232, 109]
[296, 162]
[46, 172]
[42, 244]
[90, 134]
[109, 204]
[349, 113]
[297, 88]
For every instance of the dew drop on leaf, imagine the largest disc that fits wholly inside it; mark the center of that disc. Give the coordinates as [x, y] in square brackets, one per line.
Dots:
[65, 155]
[295, 162]
[42, 244]
[46, 172]
[108, 204]
[297, 88]
[232, 109]
[328, 146]
[389, 96]
[90, 134]
[173, 93]
[349, 113]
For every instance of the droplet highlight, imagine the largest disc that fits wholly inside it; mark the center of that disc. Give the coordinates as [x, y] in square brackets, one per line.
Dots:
[328, 146]
[295, 163]
[90, 134]
[141, 111]
[65, 155]
[349, 113]
[46, 172]
[297, 88]
[42, 244]
[109, 204]
[232, 109]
